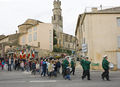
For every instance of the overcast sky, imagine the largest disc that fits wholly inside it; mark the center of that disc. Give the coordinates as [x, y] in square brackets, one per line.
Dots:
[15, 12]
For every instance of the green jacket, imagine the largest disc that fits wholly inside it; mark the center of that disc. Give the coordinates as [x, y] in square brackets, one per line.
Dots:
[65, 64]
[82, 63]
[105, 64]
[72, 64]
[87, 65]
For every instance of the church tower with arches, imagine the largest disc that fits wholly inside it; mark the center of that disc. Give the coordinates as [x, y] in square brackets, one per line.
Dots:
[57, 19]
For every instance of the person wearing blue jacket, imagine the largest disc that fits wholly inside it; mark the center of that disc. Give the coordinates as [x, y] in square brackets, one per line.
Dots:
[44, 67]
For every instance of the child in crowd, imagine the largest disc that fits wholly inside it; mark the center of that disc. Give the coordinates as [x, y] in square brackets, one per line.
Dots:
[67, 73]
[3, 63]
[22, 66]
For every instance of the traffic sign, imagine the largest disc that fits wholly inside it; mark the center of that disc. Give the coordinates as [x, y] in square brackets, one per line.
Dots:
[84, 48]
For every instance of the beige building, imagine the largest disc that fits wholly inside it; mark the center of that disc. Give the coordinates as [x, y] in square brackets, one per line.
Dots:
[98, 33]
[36, 34]
[7, 42]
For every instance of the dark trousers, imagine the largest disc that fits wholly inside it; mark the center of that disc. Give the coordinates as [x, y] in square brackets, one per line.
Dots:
[47, 71]
[43, 72]
[2, 67]
[18, 67]
[86, 73]
[34, 71]
[64, 73]
[22, 68]
[58, 69]
[73, 70]
[83, 73]
[50, 74]
[9, 67]
[15, 66]
[105, 74]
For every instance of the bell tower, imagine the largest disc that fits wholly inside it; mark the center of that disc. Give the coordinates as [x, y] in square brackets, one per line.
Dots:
[57, 19]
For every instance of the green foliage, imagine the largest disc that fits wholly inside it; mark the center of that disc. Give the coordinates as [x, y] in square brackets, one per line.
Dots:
[55, 49]
[54, 33]
[54, 41]
[54, 38]
[69, 52]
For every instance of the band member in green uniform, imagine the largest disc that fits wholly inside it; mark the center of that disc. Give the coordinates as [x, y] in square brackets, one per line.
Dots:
[86, 66]
[105, 65]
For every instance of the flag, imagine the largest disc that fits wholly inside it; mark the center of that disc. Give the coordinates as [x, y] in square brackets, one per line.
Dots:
[33, 54]
[22, 51]
[21, 55]
[28, 55]
[24, 55]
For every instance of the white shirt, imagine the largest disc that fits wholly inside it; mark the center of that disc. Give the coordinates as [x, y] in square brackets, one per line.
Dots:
[10, 61]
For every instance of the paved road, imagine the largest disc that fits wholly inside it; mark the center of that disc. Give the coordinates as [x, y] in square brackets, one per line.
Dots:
[22, 79]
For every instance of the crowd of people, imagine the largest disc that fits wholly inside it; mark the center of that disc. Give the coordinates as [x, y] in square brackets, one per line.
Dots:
[51, 67]
[44, 66]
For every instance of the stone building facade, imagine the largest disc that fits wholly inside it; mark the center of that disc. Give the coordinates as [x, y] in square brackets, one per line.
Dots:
[8, 42]
[64, 41]
[57, 19]
[98, 34]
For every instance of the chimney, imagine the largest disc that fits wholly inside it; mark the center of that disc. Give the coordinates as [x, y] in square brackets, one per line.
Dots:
[94, 9]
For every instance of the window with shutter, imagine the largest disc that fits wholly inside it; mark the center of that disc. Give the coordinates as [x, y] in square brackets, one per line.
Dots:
[118, 41]
[118, 21]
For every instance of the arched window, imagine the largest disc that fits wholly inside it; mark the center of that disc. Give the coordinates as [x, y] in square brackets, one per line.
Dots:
[54, 17]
